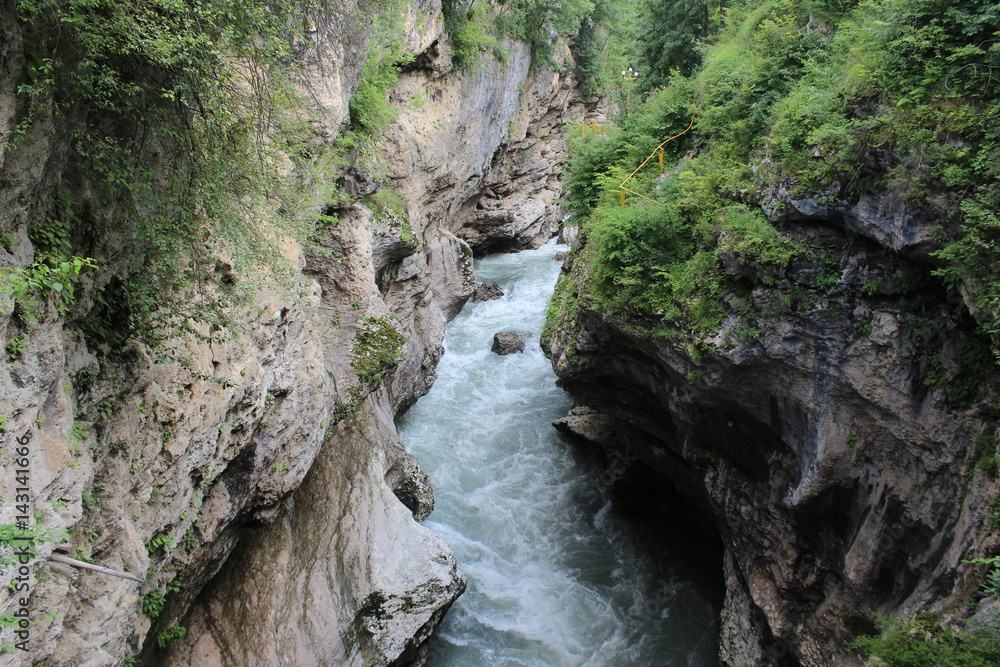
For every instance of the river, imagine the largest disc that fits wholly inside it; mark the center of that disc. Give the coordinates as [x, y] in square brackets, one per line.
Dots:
[557, 575]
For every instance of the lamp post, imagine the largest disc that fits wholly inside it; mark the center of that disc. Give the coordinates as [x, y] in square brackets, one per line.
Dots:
[629, 75]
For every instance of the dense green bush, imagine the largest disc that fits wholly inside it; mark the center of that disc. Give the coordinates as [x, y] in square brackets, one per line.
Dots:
[919, 641]
[169, 106]
[475, 28]
[829, 96]
[639, 244]
[378, 346]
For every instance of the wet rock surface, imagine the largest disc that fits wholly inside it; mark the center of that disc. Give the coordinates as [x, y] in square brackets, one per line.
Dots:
[487, 292]
[509, 342]
[838, 481]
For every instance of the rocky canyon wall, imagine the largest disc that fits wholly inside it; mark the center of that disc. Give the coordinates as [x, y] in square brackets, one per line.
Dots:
[253, 481]
[843, 481]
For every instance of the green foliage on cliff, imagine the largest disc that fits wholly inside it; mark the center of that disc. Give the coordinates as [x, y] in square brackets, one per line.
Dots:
[370, 110]
[829, 98]
[920, 640]
[475, 27]
[167, 107]
[377, 348]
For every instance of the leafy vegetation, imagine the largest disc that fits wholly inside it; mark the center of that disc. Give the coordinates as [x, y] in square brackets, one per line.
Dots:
[920, 640]
[369, 106]
[172, 109]
[152, 603]
[171, 636]
[377, 348]
[832, 97]
[992, 587]
[15, 349]
[476, 28]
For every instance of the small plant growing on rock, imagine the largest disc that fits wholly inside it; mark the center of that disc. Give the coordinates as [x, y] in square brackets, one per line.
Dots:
[377, 348]
[152, 603]
[91, 501]
[79, 431]
[191, 541]
[105, 408]
[992, 587]
[347, 409]
[15, 349]
[162, 541]
[171, 636]
[155, 496]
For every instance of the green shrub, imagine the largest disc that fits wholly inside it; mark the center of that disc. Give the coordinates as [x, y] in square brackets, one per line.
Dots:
[377, 348]
[15, 349]
[171, 636]
[469, 30]
[152, 603]
[369, 106]
[754, 240]
[920, 641]
[636, 246]
[22, 287]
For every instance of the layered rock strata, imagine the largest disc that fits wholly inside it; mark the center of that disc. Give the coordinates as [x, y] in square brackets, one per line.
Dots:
[268, 442]
[824, 430]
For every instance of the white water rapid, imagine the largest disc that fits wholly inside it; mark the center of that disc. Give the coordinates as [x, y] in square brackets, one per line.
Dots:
[557, 576]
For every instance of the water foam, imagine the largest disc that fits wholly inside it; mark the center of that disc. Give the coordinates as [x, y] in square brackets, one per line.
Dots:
[556, 575]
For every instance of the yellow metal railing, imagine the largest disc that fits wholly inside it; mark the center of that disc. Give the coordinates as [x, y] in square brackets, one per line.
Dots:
[598, 129]
[657, 150]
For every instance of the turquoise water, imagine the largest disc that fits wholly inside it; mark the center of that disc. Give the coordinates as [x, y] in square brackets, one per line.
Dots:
[557, 576]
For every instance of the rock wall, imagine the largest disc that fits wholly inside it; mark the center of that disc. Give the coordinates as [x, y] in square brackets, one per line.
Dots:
[424, 284]
[823, 430]
[254, 481]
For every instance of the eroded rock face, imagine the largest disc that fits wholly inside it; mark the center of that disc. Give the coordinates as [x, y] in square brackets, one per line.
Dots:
[589, 425]
[480, 152]
[168, 459]
[236, 442]
[838, 479]
[342, 576]
[420, 270]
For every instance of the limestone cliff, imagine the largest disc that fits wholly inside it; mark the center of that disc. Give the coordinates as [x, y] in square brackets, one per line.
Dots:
[423, 284]
[828, 430]
[253, 480]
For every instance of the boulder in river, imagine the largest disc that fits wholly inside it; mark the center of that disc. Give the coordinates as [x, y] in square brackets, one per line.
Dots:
[487, 292]
[508, 342]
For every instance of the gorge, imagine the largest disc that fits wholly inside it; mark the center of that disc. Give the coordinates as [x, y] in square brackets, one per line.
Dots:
[557, 575]
[232, 235]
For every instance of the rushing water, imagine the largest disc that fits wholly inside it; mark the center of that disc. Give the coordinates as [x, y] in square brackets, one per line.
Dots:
[557, 576]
